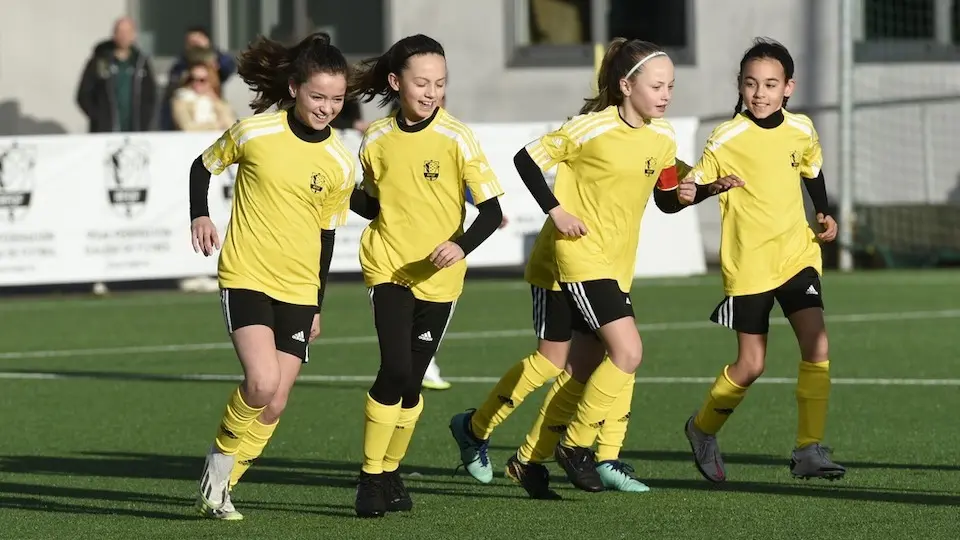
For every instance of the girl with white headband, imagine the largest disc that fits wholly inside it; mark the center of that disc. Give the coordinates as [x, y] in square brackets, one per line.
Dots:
[605, 164]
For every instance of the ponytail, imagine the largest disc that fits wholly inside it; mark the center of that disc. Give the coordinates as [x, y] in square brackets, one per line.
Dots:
[267, 67]
[624, 58]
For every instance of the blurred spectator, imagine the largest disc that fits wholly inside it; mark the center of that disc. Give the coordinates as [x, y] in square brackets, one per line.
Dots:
[118, 91]
[197, 105]
[196, 39]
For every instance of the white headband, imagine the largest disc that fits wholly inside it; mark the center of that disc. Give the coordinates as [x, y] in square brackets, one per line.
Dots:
[642, 61]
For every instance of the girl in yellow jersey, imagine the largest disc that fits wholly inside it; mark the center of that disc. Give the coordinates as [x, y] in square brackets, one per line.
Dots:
[293, 186]
[768, 253]
[417, 167]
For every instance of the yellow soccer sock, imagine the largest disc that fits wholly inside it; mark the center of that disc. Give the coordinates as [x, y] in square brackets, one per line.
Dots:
[378, 427]
[235, 422]
[558, 408]
[251, 446]
[813, 391]
[723, 398]
[516, 384]
[402, 435]
[599, 394]
[614, 430]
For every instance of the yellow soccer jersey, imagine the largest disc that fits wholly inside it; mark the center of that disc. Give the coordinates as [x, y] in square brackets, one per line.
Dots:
[611, 169]
[765, 239]
[420, 174]
[286, 191]
[541, 269]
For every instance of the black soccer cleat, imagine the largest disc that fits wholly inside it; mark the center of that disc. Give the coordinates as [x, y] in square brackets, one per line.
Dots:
[371, 498]
[581, 467]
[395, 493]
[533, 477]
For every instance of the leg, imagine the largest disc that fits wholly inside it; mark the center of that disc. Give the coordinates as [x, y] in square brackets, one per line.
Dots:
[802, 303]
[609, 313]
[432, 379]
[249, 320]
[472, 429]
[750, 317]
[292, 325]
[617, 475]
[393, 307]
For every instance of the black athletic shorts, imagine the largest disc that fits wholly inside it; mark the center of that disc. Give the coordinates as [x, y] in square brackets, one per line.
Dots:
[290, 322]
[429, 319]
[750, 313]
[596, 303]
[552, 317]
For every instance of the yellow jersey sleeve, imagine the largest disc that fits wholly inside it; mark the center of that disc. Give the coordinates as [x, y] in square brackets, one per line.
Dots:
[366, 168]
[560, 146]
[336, 205]
[812, 157]
[707, 169]
[478, 177]
[224, 152]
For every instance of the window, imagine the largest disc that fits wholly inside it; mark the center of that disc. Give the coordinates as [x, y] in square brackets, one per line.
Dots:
[908, 31]
[554, 33]
[163, 23]
[284, 20]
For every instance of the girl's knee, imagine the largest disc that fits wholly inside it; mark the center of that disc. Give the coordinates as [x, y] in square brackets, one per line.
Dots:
[261, 387]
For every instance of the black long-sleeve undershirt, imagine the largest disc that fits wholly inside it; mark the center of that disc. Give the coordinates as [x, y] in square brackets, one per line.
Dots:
[199, 186]
[363, 204]
[489, 219]
[817, 189]
[536, 183]
[327, 240]
[669, 203]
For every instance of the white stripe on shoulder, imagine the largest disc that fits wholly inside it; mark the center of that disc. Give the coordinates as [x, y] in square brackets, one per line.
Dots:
[255, 126]
[345, 160]
[598, 130]
[468, 146]
[727, 135]
[375, 131]
[466, 134]
[664, 128]
[578, 126]
[802, 126]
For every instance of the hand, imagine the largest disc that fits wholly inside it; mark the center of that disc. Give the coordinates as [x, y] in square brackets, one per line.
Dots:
[829, 225]
[315, 327]
[361, 126]
[204, 236]
[725, 184]
[568, 225]
[687, 191]
[447, 254]
[503, 222]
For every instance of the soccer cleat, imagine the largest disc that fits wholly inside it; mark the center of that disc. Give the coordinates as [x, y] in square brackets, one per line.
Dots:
[395, 493]
[371, 497]
[581, 467]
[618, 476]
[432, 379]
[813, 461]
[706, 453]
[473, 451]
[213, 499]
[533, 477]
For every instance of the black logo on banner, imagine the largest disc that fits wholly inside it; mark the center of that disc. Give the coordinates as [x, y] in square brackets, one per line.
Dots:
[431, 169]
[17, 164]
[127, 169]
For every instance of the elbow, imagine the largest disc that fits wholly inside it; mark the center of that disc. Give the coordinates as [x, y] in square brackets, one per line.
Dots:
[667, 201]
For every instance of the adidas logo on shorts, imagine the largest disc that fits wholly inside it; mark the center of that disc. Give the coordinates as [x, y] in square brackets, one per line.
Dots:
[426, 336]
[299, 337]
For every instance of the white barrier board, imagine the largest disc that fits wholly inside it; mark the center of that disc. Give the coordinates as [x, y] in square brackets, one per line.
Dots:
[86, 208]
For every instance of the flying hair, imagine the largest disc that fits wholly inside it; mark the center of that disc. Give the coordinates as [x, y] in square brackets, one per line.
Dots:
[267, 67]
[624, 59]
[370, 79]
[765, 48]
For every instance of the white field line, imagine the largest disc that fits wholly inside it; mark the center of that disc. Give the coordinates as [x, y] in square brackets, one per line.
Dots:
[488, 334]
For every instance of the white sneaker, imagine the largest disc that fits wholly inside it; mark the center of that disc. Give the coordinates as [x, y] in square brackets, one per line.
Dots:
[213, 498]
[432, 379]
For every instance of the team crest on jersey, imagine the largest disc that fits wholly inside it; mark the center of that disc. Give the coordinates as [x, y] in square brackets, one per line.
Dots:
[431, 169]
[795, 159]
[317, 180]
[650, 167]
[127, 173]
[16, 180]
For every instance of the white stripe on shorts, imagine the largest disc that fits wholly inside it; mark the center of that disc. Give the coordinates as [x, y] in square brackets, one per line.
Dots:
[583, 304]
[225, 306]
[539, 311]
[725, 313]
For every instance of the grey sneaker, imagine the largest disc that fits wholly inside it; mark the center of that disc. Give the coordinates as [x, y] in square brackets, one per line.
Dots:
[813, 461]
[706, 453]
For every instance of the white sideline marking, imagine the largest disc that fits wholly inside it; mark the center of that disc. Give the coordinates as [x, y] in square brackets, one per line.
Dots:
[193, 377]
[488, 334]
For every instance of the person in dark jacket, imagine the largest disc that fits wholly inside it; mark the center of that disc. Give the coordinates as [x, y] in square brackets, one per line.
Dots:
[118, 91]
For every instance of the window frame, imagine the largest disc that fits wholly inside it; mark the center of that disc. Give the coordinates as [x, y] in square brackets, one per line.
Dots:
[900, 50]
[566, 56]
